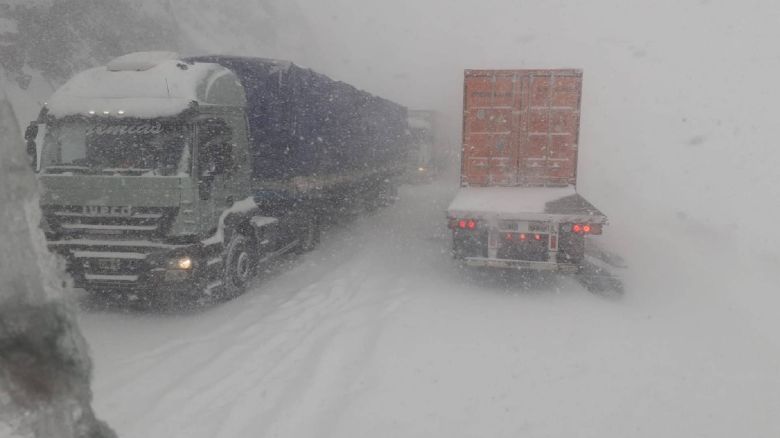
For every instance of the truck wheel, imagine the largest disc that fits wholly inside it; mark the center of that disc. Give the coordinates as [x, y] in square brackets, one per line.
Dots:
[310, 236]
[240, 263]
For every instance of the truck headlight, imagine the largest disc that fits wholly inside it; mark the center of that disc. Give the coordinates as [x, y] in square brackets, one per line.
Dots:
[184, 263]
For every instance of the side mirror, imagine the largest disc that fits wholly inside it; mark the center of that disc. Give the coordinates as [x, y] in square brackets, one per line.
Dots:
[217, 160]
[223, 158]
[30, 134]
[205, 184]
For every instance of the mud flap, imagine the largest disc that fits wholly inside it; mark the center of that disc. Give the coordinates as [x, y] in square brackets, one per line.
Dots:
[598, 279]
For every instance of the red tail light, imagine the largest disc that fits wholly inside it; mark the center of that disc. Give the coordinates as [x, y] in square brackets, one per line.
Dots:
[523, 236]
[537, 237]
[463, 224]
[586, 228]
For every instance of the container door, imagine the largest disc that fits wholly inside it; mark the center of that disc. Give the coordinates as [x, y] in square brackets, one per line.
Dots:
[490, 150]
[521, 127]
[548, 145]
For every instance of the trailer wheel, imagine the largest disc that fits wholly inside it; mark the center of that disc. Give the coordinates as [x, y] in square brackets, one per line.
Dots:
[240, 263]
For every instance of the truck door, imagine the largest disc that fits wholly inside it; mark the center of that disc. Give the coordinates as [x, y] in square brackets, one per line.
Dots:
[215, 167]
[547, 149]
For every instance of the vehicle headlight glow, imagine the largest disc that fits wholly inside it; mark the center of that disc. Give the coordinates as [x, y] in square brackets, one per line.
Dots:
[184, 263]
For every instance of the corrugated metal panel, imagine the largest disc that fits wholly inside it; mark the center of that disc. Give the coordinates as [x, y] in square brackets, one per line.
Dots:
[520, 127]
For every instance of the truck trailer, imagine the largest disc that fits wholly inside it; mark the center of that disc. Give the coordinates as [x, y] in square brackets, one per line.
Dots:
[430, 152]
[422, 127]
[518, 205]
[175, 178]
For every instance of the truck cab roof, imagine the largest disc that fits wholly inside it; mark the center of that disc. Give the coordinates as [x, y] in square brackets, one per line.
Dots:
[146, 85]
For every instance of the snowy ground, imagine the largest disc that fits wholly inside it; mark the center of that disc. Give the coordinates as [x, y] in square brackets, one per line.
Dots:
[377, 333]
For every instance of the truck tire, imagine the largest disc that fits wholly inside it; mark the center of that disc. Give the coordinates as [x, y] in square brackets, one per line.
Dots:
[310, 236]
[240, 263]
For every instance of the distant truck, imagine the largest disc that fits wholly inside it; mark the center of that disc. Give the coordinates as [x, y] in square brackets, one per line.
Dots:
[422, 129]
[430, 153]
[176, 178]
[518, 206]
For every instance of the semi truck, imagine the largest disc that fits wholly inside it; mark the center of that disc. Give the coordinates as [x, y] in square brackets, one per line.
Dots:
[176, 178]
[430, 153]
[518, 206]
[421, 160]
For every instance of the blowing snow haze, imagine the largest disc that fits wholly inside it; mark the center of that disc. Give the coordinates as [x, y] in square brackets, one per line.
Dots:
[678, 96]
[377, 331]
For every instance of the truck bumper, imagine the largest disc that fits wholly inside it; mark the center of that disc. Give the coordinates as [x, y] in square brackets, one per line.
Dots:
[520, 264]
[143, 271]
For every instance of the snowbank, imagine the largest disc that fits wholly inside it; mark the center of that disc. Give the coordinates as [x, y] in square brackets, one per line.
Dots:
[44, 383]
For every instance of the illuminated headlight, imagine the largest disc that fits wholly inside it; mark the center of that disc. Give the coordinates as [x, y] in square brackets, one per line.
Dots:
[183, 263]
[421, 169]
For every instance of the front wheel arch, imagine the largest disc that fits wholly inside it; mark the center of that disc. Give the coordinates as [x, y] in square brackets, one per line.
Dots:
[240, 263]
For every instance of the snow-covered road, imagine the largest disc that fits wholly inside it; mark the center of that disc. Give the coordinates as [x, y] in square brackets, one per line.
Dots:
[377, 333]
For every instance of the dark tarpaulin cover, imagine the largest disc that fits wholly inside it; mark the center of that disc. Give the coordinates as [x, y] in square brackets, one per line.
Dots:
[302, 123]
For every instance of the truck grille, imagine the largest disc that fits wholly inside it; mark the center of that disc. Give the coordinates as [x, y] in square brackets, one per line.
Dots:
[138, 222]
[107, 246]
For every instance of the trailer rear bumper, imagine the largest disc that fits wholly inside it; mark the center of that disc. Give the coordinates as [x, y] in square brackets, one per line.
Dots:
[520, 264]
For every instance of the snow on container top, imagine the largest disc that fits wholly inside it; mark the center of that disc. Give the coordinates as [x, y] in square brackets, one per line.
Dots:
[146, 85]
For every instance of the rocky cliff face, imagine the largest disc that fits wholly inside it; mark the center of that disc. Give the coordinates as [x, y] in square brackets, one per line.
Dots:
[44, 362]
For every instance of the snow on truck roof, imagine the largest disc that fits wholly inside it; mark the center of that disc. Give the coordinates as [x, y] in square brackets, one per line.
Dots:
[146, 85]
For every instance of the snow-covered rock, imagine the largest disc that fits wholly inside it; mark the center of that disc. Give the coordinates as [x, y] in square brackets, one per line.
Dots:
[44, 363]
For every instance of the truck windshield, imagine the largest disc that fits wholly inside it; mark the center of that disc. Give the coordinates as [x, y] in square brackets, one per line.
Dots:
[135, 148]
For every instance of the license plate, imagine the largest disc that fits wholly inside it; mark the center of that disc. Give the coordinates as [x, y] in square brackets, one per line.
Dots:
[541, 227]
[108, 265]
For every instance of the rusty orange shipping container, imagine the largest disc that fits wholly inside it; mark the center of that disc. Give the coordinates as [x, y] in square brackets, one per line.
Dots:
[520, 127]
[518, 205]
